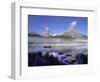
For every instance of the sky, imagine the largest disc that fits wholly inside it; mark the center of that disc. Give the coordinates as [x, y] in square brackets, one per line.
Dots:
[57, 24]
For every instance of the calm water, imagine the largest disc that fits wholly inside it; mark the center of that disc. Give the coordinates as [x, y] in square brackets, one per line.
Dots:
[56, 47]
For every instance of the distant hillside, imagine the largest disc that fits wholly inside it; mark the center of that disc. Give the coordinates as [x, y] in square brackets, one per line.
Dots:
[32, 34]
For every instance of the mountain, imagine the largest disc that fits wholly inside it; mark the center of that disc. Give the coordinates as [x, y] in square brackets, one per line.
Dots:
[47, 32]
[72, 33]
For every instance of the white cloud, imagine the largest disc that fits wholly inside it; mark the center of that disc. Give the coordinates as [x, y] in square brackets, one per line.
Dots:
[73, 23]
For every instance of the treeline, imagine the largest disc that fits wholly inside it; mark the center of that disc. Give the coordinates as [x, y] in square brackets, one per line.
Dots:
[39, 59]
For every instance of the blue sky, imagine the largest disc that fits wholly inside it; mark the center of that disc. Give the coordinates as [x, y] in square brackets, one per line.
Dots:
[56, 24]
